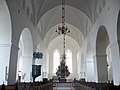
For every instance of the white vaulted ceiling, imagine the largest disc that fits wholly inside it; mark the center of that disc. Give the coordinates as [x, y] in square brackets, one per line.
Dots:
[80, 16]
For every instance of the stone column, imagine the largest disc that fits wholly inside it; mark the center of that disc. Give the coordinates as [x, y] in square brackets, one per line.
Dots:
[13, 64]
[115, 52]
[83, 68]
[89, 70]
[50, 65]
[74, 64]
[95, 69]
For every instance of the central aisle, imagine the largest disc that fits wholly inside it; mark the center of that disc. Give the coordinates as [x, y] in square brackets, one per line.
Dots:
[63, 86]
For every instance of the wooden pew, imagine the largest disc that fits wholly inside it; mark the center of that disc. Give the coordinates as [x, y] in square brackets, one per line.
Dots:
[30, 86]
[82, 85]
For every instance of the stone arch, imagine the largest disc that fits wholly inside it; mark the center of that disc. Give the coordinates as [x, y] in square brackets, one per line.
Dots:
[102, 43]
[5, 40]
[25, 55]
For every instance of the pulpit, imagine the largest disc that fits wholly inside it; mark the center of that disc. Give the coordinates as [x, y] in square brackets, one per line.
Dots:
[36, 71]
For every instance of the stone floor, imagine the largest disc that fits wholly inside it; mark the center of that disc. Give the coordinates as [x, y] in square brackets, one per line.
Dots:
[63, 86]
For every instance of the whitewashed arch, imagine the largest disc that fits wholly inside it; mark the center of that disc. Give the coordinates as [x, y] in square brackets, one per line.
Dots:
[102, 43]
[25, 55]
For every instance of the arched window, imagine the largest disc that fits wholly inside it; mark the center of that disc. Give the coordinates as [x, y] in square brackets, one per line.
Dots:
[56, 60]
[69, 59]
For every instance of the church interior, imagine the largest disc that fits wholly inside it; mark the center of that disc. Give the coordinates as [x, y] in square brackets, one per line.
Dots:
[60, 44]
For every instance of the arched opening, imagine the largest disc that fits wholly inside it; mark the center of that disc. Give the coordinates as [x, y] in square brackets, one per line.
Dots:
[5, 41]
[25, 55]
[102, 43]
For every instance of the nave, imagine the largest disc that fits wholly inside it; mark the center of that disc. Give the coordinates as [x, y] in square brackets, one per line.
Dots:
[50, 85]
[28, 37]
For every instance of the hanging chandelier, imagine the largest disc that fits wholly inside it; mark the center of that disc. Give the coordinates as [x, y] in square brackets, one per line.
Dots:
[63, 29]
[63, 71]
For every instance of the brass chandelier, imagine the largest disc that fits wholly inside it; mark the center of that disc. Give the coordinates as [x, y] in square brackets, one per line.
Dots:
[63, 71]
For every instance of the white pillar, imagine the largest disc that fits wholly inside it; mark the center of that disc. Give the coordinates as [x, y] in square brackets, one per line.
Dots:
[89, 71]
[13, 64]
[115, 62]
[74, 64]
[83, 68]
[95, 69]
[50, 66]
[4, 62]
